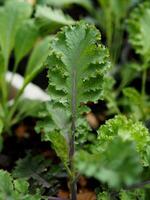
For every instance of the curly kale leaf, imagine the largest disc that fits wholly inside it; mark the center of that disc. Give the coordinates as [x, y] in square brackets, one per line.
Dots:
[128, 130]
[15, 189]
[112, 166]
[77, 68]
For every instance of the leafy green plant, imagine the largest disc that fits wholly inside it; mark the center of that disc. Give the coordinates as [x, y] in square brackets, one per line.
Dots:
[138, 28]
[21, 36]
[123, 195]
[118, 158]
[113, 13]
[117, 154]
[18, 33]
[15, 189]
[110, 165]
[41, 173]
[127, 129]
[77, 65]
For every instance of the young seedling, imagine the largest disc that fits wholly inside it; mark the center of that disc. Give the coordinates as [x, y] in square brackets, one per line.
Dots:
[77, 69]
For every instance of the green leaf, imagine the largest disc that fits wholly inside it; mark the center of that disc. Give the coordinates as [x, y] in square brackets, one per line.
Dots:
[21, 186]
[132, 195]
[49, 20]
[103, 196]
[28, 108]
[116, 7]
[1, 131]
[133, 95]
[5, 183]
[1, 126]
[77, 64]
[15, 189]
[139, 30]
[41, 172]
[37, 59]
[37, 165]
[53, 119]
[110, 96]
[59, 145]
[128, 130]
[111, 18]
[9, 24]
[129, 71]
[55, 122]
[25, 38]
[112, 166]
[87, 4]
[138, 106]
[77, 68]
[2, 67]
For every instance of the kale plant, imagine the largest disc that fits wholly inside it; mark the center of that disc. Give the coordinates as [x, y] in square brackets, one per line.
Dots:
[77, 69]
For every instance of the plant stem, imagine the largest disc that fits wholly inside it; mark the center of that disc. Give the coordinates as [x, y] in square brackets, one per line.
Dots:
[73, 190]
[16, 100]
[144, 82]
[13, 73]
[138, 185]
[133, 187]
[72, 181]
[55, 198]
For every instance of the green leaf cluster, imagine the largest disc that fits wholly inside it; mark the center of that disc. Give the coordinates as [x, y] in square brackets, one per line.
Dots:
[139, 29]
[41, 173]
[49, 20]
[24, 33]
[128, 130]
[9, 25]
[111, 166]
[15, 189]
[123, 195]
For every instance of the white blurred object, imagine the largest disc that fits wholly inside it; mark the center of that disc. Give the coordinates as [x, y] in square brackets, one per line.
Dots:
[32, 91]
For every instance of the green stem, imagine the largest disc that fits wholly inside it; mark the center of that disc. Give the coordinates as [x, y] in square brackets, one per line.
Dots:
[72, 181]
[144, 76]
[117, 42]
[4, 91]
[143, 88]
[16, 100]
[13, 73]
[4, 88]
[109, 32]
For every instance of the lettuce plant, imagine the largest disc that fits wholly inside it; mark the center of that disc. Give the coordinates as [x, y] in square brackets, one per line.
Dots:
[77, 69]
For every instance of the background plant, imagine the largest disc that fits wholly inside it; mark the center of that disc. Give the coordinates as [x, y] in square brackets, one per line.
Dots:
[21, 35]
